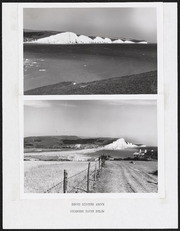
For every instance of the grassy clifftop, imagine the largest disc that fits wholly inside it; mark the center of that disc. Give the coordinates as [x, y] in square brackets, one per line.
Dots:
[144, 83]
[29, 35]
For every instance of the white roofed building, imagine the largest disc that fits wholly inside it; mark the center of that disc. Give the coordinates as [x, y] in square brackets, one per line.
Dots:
[140, 154]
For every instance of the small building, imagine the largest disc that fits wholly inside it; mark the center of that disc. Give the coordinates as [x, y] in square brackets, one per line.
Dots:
[140, 154]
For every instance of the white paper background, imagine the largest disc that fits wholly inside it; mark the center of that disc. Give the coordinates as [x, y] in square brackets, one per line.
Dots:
[55, 213]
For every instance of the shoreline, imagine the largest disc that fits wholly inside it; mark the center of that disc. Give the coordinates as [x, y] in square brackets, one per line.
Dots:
[82, 151]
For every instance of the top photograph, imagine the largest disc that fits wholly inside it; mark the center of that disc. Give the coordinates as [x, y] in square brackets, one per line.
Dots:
[88, 51]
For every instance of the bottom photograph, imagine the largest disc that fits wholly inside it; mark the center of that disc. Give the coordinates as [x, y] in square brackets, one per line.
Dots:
[90, 146]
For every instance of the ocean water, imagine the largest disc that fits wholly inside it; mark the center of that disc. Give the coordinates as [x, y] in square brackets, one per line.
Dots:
[50, 64]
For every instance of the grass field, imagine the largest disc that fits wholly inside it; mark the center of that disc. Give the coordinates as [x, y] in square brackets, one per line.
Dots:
[145, 83]
[42, 175]
[116, 176]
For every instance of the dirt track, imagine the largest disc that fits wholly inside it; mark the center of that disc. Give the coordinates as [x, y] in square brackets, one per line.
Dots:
[123, 177]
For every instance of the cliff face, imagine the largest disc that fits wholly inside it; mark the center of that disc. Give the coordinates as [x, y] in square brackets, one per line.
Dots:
[72, 38]
[119, 144]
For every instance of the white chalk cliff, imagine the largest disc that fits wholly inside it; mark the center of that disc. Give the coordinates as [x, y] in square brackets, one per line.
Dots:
[72, 38]
[119, 144]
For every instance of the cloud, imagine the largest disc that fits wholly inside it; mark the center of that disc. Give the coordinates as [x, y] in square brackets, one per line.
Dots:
[129, 102]
[37, 103]
[50, 103]
[63, 103]
[76, 104]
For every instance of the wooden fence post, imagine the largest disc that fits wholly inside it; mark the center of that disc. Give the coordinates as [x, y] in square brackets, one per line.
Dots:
[95, 172]
[99, 163]
[65, 181]
[88, 177]
[103, 162]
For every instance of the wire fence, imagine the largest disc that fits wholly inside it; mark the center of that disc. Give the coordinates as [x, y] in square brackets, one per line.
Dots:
[81, 182]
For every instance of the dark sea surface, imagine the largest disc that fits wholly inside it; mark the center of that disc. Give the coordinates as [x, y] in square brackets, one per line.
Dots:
[50, 64]
[124, 153]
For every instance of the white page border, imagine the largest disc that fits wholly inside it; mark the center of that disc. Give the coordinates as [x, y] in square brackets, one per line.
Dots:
[120, 213]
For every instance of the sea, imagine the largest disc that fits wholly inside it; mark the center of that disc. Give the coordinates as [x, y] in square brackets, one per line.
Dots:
[46, 64]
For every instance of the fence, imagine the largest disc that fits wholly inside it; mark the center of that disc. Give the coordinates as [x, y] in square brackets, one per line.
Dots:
[83, 181]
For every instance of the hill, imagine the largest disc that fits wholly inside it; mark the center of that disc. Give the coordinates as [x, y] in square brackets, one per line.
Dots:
[55, 142]
[30, 35]
[144, 83]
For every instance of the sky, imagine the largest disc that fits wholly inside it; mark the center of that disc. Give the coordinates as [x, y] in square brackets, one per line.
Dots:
[130, 119]
[129, 23]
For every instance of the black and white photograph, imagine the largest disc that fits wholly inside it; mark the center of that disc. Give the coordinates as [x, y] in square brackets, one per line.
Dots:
[90, 146]
[80, 51]
[89, 115]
